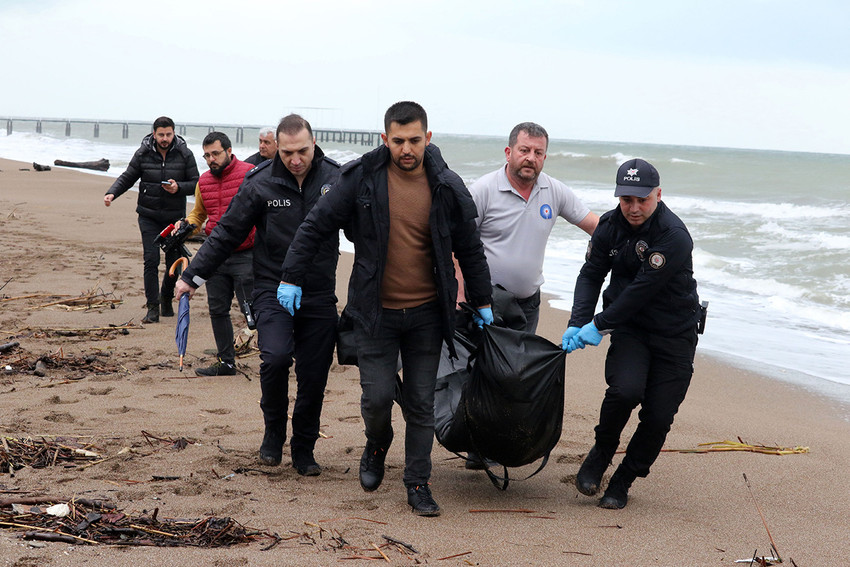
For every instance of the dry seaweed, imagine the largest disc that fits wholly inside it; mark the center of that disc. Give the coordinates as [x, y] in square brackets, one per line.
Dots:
[741, 445]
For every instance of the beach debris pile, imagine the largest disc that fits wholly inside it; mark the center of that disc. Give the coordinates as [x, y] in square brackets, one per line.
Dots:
[74, 367]
[91, 299]
[17, 453]
[329, 539]
[83, 521]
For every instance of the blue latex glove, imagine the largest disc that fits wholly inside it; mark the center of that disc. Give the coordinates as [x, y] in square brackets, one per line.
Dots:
[568, 334]
[588, 335]
[289, 296]
[484, 317]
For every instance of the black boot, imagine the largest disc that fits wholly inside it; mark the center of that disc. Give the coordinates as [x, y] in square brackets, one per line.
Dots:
[167, 308]
[153, 313]
[304, 462]
[617, 494]
[590, 474]
[271, 451]
[372, 467]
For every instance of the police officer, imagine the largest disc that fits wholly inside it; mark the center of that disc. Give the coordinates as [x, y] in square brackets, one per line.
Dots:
[275, 197]
[651, 310]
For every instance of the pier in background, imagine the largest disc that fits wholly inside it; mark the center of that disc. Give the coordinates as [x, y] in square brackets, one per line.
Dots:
[362, 137]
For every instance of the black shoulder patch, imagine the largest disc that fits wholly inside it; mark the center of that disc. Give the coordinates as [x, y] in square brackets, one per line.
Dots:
[332, 161]
[351, 165]
[259, 167]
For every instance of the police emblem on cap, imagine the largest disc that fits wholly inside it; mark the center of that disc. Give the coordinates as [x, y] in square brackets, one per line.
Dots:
[546, 211]
[640, 249]
[657, 260]
[325, 188]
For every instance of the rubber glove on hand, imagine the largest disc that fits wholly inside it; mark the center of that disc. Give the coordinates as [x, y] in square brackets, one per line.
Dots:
[484, 317]
[568, 334]
[588, 335]
[289, 296]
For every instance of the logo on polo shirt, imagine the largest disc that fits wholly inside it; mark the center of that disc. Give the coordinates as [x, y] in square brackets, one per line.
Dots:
[546, 211]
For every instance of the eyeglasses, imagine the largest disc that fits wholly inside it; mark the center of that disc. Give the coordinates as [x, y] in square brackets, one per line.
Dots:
[213, 154]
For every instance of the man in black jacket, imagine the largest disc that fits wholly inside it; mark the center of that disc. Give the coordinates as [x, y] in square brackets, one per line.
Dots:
[168, 173]
[651, 309]
[268, 147]
[275, 197]
[406, 212]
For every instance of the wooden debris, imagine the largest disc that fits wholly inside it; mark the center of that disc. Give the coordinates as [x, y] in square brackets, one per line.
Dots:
[741, 445]
[180, 443]
[16, 454]
[95, 523]
[91, 299]
[772, 543]
[8, 346]
[72, 367]
[453, 556]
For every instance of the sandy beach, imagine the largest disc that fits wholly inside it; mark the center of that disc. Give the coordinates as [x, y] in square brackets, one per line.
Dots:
[122, 389]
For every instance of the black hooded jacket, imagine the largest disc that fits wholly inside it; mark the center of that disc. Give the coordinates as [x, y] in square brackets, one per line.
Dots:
[359, 203]
[148, 166]
[270, 199]
[652, 285]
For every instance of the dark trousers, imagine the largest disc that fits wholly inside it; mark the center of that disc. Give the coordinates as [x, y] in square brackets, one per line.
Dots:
[150, 228]
[309, 337]
[235, 275]
[416, 334]
[531, 308]
[650, 370]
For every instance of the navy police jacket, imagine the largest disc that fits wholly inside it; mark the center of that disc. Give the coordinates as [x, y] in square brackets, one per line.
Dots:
[271, 200]
[652, 285]
[148, 166]
[359, 203]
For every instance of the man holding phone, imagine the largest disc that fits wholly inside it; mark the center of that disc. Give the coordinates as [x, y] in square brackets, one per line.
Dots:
[167, 173]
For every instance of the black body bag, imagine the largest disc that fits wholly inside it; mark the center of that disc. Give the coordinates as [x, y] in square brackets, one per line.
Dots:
[507, 403]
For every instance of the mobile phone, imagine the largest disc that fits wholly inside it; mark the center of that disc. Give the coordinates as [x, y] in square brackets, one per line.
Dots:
[166, 182]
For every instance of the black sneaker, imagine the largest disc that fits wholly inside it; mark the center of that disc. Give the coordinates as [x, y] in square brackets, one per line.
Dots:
[617, 494]
[166, 309]
[271, 451]
[306, 466]
[419, 497]
[219, 368]
[590, 474]
[372, 467]
[152, 315]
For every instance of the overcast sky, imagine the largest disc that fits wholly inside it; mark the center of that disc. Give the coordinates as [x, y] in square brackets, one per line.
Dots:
[766, 74]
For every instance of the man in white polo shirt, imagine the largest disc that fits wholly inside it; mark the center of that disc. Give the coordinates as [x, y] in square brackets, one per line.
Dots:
[517, 208]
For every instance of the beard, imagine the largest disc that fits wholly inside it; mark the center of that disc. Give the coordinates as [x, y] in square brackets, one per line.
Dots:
[408, 166]
[219, 171]
[521, 173]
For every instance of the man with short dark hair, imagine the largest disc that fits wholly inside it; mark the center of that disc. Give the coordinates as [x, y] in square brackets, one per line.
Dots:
[216, 188]
[406, 212]
[651, 309]
[275, 197]
[268, 147]
[167, 173]
[518, 206]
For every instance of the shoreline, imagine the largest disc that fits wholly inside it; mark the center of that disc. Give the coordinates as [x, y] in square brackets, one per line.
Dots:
[693, 508]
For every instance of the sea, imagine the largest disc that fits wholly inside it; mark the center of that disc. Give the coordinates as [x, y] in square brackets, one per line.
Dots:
[770, 230]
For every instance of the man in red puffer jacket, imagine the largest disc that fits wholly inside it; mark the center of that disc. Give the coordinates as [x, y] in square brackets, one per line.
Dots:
[215, 189]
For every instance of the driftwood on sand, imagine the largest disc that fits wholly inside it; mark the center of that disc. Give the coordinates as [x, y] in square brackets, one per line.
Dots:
[100, 165]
